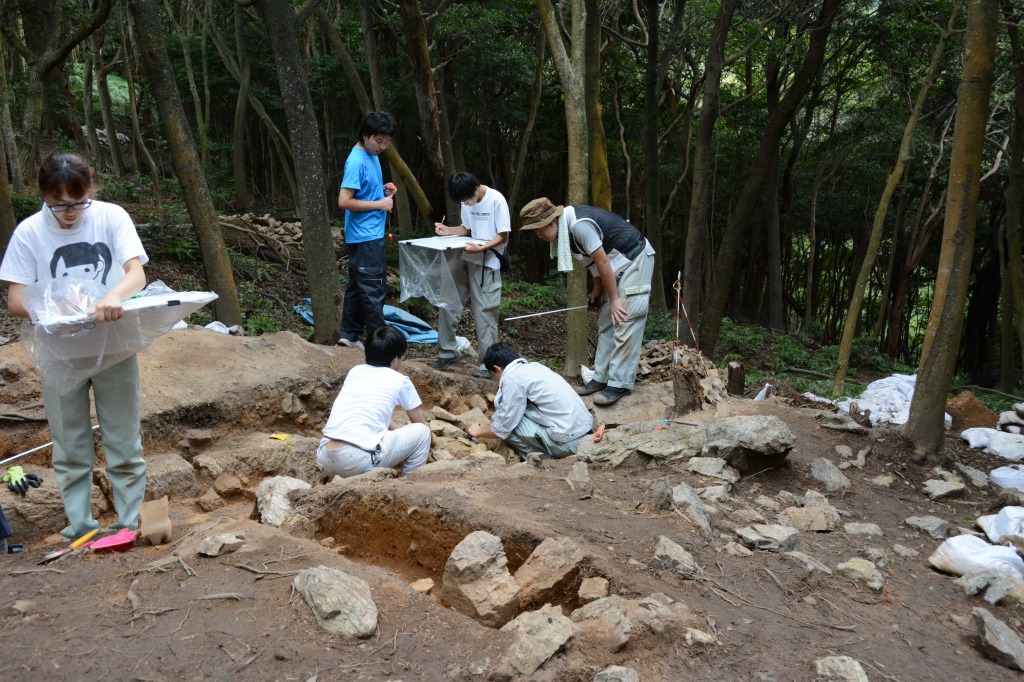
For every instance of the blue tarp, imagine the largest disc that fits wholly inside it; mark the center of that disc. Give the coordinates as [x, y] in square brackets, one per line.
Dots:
[415, 329]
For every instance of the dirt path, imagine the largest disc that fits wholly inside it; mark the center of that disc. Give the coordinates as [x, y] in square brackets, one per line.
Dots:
[214, 401]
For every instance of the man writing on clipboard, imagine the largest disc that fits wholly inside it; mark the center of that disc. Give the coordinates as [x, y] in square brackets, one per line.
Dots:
[477, 274]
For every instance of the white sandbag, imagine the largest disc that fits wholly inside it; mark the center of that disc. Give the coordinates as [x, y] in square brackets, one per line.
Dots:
[978, 437]
[1008, 477]
[1009, 521]
[965, 554]
[1006, 445]
[888, 399]
[1010, 421]
[817, 398]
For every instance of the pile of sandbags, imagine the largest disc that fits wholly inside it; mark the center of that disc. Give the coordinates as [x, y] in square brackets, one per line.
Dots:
[1012, 421]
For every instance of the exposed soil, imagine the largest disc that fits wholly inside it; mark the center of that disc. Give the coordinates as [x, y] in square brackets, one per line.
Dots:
[227, 622]
[215, 401]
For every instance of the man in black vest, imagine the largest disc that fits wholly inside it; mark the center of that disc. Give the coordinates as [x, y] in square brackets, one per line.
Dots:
[621, 261]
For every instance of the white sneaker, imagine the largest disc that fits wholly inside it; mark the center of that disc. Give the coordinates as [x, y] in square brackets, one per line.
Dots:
[358, 345]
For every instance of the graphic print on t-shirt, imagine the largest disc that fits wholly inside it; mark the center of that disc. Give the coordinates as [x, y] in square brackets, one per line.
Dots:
[82, 259]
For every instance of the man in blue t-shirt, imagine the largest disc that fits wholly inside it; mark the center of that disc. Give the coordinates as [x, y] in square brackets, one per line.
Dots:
[366, 204]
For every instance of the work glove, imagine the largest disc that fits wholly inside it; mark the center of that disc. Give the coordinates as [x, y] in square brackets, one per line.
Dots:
[18, 481]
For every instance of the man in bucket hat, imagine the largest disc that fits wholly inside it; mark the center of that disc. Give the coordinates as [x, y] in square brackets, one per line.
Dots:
[621, 261]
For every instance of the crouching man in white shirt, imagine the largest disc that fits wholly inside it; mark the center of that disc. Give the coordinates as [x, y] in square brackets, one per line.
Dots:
[360, 434]
[536, 410]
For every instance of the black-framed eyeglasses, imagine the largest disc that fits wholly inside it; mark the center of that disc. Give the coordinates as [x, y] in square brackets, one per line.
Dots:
[60, 208]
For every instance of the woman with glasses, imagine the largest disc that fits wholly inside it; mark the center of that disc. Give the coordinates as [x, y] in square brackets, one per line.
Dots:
[74, 235]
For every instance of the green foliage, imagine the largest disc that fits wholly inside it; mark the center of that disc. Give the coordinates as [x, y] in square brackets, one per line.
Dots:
[25, 204]
[523, 298]
[662, 328]
[185, 249]
[127, 189]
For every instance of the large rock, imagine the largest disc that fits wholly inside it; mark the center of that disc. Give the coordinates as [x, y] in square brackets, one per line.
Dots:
[668, 556]
[551, 570]
[622, 447]
[998, 641]
[272, 503]
[170, 475]
[477, 582]
[616, 673]
[942, 489]
[579, 479]
[769, 537]
[342, 603]
[933, 525]
[714, 467]
[604, 621]
[861, 570]
[660, 614]
[688, 501]
[749, 443]
[539, 635]
[829, 474]
[840, 669]
[812, 567]
[41, 511]
[257, 455]
[819, 519]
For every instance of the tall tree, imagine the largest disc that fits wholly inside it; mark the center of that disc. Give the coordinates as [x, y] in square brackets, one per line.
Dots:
[150, 34]
[45, 21]
[779, 119]
[280, 21]
[698, 224]
[569, 73]
[925, 428]
[897, 173]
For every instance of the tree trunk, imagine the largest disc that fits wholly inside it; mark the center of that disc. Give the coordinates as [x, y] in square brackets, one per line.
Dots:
[107, 106]
[697, 224]
[58, 46]
[925, 427]
[902, 159]
[426, 99]
[531, 121]
[652, 168]
[1015, 185]
[777, 122]
[7, 130]
[348, 67]
[60, 76]
[241, 107]
[131, 72]
[7, 219]
[150, 35]
[600, 178]
[96, 152]
[318, 246]
[568, 68]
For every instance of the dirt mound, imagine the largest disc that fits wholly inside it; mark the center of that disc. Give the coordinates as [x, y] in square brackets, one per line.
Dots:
[969, 413]
[209, 400]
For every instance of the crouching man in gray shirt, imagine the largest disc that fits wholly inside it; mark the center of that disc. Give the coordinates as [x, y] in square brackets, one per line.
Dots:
[536, 410]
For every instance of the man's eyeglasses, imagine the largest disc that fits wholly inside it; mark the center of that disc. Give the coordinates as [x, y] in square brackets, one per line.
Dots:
[60, 208]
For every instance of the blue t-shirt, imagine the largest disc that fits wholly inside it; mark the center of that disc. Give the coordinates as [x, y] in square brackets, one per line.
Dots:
[363, 174]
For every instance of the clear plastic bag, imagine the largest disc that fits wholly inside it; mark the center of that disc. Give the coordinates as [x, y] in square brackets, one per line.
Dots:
[69, 345]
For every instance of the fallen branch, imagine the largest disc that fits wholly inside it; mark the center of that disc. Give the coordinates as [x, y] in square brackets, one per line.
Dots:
[134, 598]
[223, 595]
[710, 582]
[151, 612]
[276, 574]
[808, 372]
[37, 570]
[972, 387]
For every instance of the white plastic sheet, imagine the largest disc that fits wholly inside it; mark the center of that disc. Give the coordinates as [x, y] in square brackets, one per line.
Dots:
[966, 554]
[888, 399]
[1011, 476]
[69, 345]
[1009, 521]
[424, 269]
